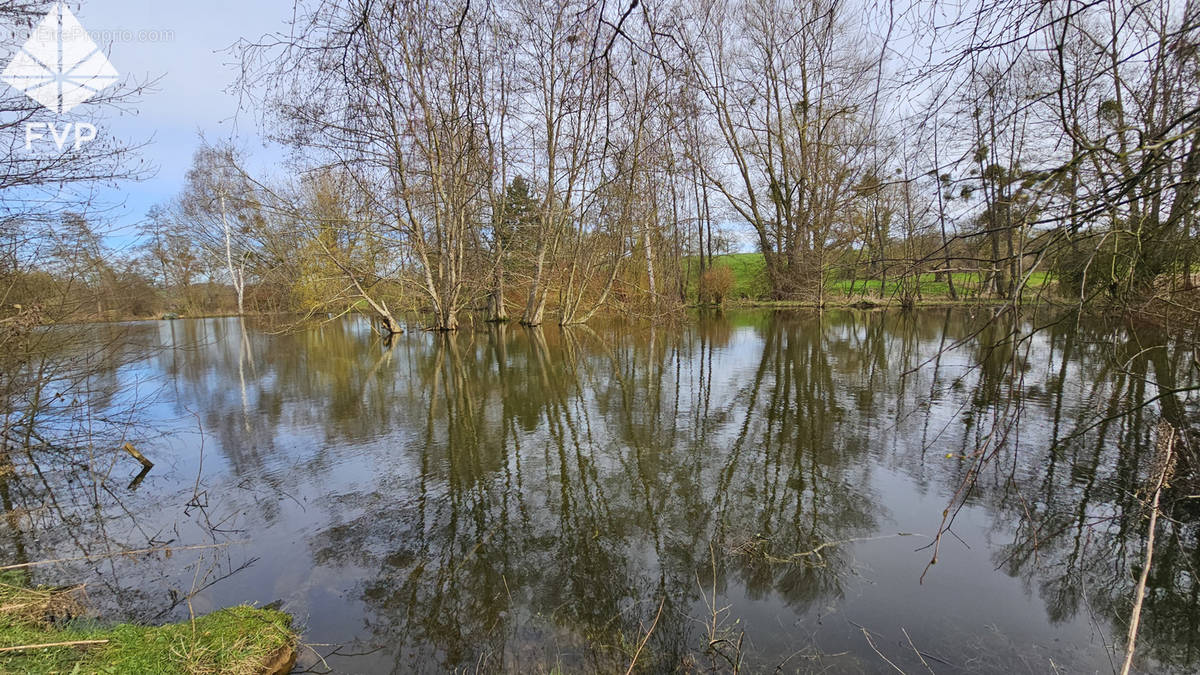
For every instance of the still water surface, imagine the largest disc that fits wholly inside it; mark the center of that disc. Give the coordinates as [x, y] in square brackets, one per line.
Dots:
[765, 484]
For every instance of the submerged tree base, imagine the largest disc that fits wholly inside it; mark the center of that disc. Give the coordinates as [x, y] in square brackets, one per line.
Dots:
[40, 632]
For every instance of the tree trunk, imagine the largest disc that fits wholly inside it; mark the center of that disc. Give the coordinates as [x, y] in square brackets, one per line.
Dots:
[650, 266]
[448, 319]
[497, 313]
[238, 283]
[535, 305]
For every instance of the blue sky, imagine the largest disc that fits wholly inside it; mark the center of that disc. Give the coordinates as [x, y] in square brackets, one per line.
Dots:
[182, 45]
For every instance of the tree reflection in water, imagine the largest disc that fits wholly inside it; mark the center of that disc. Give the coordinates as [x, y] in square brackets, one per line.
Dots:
[527, 499]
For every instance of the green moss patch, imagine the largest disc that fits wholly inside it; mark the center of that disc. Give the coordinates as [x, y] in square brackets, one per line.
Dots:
[238, 640]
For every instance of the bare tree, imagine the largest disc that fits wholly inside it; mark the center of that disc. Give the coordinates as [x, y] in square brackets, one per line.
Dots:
[784, 85]
[220, 207]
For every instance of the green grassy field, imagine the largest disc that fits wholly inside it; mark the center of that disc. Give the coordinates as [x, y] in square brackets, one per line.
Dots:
[750, 283]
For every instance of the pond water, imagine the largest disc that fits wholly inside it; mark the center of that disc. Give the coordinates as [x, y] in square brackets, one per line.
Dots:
[757, 488]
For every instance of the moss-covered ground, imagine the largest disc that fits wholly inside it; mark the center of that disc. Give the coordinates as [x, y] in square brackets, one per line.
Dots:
[238, 640]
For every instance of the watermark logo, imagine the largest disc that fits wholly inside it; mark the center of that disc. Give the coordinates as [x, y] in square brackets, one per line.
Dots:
[60, 66]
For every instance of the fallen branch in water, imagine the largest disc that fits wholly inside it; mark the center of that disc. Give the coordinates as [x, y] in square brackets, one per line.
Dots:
[128, 447]
[74, 643]
[917, 651]
[1166, 445]
[116, 554]
[867, 635]
[816, 551]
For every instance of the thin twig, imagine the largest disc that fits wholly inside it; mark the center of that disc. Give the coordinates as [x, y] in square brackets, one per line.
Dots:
[889, 661]
[1140, 593]
[74, 643]
[645, 639]
[918, 651]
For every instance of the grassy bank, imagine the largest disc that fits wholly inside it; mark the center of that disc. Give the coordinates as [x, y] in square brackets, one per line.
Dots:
[238, 640]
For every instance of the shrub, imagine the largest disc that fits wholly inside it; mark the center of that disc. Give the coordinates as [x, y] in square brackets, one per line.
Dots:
[715, 285]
